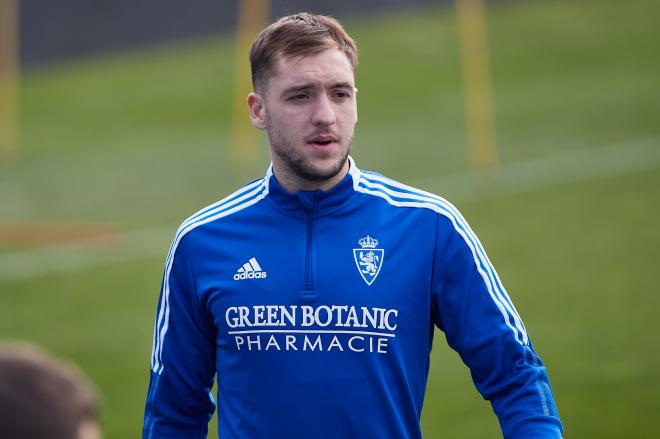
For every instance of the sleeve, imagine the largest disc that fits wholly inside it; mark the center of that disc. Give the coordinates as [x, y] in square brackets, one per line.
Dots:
[471, 306]
[179, 401]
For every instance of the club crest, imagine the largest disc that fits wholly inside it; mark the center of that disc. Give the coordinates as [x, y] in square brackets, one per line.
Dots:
[368, 259]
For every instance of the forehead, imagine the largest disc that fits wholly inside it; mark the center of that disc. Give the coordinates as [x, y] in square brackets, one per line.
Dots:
[324, 68]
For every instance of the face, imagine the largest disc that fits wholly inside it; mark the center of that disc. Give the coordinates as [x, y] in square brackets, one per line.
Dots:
[309, 111]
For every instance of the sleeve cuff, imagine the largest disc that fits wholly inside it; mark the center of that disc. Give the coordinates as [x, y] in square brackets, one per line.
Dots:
[548, 428]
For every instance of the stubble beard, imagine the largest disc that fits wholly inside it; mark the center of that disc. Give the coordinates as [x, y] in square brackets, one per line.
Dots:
[300, 165]
[304, 170]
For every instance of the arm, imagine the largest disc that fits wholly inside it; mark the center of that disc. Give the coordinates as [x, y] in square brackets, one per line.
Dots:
[471, 306]
[179, 403]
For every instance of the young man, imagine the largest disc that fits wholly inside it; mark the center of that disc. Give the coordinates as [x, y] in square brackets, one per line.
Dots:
[313, 292]
[42, 397]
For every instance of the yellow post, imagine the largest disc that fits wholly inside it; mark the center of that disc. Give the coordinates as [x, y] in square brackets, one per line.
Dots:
[253, 16]
[8, 79]
[476, 78]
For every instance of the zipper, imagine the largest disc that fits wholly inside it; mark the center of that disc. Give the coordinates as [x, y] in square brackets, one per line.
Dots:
[309, 286]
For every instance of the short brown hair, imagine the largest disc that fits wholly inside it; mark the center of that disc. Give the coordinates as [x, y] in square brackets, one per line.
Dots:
[41, 396]
[300, 34]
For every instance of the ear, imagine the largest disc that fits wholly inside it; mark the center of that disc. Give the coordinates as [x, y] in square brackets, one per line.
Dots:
[257, 107]
[356, 112]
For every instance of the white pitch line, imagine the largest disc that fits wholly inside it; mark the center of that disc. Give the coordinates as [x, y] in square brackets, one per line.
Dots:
[514, 178]
[545, 172]
[137, 244]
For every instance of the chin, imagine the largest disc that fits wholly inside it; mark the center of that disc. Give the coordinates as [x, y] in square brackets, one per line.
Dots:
[321, 172]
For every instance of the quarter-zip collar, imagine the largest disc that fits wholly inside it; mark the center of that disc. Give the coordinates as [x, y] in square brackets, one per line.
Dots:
[320, 202]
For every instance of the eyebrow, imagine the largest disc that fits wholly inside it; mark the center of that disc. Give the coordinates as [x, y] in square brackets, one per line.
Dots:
[310, 85]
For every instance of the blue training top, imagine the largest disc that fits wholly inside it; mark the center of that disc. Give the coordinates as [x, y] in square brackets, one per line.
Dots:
[317, 310]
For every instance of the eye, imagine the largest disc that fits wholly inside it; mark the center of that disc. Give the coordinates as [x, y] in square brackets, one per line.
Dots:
[298, 97]
[341, 94]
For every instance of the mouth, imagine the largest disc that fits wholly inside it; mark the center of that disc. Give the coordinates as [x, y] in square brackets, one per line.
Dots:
[322, 140]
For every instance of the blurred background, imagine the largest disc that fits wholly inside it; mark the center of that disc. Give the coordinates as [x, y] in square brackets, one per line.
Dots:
[538, 119]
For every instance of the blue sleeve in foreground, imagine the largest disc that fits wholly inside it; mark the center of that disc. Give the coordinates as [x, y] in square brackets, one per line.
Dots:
[179, 403]
[479, 321]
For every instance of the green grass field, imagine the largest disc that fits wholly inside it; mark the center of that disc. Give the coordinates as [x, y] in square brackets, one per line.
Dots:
[570, 218]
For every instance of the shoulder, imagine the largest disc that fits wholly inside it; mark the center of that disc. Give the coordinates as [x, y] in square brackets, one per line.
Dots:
[238, 201]
[401, 195]
[451, 227]
[449, 220]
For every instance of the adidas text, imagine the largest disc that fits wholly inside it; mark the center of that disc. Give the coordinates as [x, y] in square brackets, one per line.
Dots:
[251, 275]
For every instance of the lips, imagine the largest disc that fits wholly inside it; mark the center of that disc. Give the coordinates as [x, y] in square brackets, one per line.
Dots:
[322, 140]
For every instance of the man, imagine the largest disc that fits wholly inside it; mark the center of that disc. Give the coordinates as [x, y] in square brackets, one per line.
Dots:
[313, 292]
[42, 397]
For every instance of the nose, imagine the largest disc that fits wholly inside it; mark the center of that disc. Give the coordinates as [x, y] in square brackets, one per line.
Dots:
[323, 112]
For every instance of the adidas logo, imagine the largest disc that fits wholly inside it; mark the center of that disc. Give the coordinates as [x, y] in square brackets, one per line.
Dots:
[250, 270]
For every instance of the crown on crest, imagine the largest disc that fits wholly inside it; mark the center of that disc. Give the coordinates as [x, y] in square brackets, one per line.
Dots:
[368, 242]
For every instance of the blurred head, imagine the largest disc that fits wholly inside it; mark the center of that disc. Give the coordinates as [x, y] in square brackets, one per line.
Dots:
[42, 397]
[303, 71]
